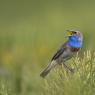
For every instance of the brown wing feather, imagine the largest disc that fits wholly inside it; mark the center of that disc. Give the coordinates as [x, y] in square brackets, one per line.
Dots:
[59, 52]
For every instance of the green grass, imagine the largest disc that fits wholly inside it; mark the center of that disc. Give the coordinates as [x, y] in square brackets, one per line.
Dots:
[81, 82]
[59, 81]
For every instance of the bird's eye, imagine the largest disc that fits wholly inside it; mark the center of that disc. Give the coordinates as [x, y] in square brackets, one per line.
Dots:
[74, 32]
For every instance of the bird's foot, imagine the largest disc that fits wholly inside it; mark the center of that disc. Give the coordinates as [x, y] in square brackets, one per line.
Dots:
[68, 68]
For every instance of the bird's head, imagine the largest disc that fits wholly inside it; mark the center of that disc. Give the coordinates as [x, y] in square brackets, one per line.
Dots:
[75, 35]
[75, 38]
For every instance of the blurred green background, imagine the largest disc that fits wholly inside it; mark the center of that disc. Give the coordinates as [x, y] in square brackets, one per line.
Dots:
[30, 33]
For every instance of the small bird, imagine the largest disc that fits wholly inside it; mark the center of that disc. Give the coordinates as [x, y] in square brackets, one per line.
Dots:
[66, 51]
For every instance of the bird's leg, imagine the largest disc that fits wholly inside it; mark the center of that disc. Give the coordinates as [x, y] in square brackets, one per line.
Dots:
[75, 64]
[68, 68]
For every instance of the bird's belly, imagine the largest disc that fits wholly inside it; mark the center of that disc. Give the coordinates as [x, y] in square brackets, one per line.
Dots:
[67, 54]
[64, 57]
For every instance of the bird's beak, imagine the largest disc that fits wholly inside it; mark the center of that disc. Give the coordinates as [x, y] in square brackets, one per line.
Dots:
[69, 33]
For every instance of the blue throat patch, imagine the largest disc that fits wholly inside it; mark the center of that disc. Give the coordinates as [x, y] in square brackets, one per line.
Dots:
[74, 42]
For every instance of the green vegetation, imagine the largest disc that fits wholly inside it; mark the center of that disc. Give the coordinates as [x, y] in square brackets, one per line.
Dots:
[30, 33]
[82, 82]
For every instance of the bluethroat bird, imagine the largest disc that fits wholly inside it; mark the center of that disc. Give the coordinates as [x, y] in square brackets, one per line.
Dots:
[66, 51]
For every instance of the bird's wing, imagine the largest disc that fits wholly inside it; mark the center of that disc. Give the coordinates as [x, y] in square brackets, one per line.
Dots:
[59, 52]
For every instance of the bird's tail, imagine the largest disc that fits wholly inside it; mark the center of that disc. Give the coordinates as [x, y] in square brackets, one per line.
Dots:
[45, 72]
